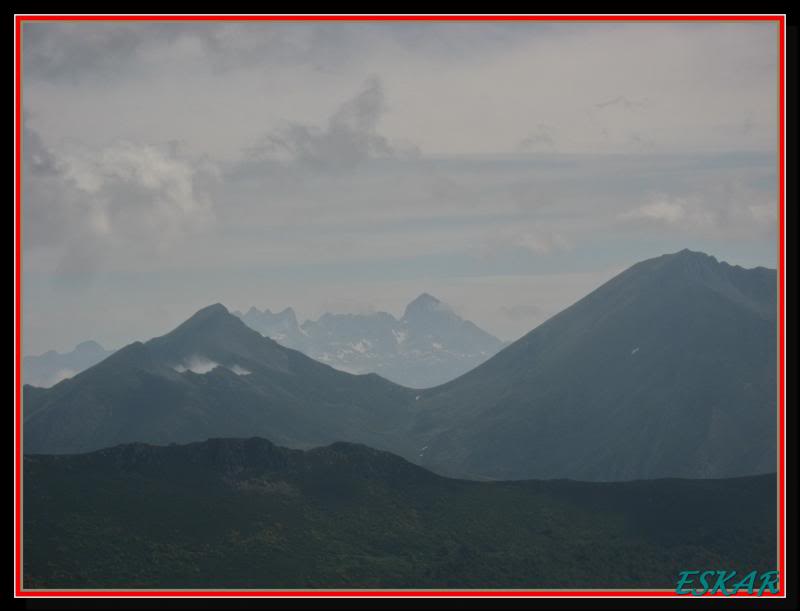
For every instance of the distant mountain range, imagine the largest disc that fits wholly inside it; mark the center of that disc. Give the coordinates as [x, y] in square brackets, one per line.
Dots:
[243, 513]
[428, 346]
[667, 370]
[49, 368]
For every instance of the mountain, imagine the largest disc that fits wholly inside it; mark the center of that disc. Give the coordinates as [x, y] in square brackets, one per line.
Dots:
[210, 376]
[244, 513]
[428, 346]
[667, 370]
[49, 368]
[281, 326]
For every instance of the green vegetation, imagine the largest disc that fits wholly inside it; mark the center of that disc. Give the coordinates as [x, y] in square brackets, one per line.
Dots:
[233, 513]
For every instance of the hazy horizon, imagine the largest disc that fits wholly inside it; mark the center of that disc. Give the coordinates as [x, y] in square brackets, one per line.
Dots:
[507, 169]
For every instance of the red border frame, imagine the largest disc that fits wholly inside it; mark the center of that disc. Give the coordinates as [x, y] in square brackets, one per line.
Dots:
[20, 592]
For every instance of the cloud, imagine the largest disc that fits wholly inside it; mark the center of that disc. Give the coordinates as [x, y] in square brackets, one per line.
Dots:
[84, 205]
[77, 51]
[38, 159]
[659, 211]
[134, 190]
[349, 138]
[196, 364]
[728, 209]
[533, 240]
[456, 87]
[623, 102]
[541, 139]
[764, 214]
[542, 243]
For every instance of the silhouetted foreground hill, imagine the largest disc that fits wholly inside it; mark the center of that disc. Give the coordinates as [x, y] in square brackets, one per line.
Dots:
[244, 513]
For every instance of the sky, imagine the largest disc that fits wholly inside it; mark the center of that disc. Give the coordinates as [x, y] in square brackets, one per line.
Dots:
[506, 168]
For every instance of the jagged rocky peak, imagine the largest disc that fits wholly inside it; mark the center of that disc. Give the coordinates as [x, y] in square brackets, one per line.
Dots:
[424, 304]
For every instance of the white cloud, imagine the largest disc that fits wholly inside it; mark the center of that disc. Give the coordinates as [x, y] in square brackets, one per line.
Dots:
[764, 214]
[196, 364]
[660, 211]
[537, 240]
[85, 207]
[727, 209]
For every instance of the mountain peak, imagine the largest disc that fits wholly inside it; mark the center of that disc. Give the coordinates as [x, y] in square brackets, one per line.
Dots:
[212, 321]
[287, 314]
[89, 346]
[425, 303]
[687, 254]
[213, 312]
[213, 309]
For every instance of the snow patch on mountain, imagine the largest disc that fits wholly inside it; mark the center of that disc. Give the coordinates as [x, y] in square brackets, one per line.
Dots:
[362, 346]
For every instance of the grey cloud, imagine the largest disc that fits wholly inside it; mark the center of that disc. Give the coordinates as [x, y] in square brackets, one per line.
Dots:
[641, 142]
[540, 140]
[623, 102]
[729, 209]
[84, 205]
[70, 50]
[76, 50]
[73, 51]
[531, 238]
[37, 158]
[349, 138]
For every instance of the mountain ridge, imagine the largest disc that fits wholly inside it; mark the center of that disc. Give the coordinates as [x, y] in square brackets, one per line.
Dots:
[49, 368]
[210, 376]
[428, 345]
[667, 370]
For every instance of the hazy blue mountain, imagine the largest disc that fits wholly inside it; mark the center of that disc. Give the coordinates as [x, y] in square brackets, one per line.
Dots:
[49, 368]
[429, 345]
[280, 326]
[667, 370]
[244, 513]
[210, 376]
